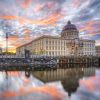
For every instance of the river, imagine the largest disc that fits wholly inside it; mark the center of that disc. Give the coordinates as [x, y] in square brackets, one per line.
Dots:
[65, 81]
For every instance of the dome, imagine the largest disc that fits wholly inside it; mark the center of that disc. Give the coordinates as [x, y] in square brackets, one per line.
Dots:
[69, 26]
[70, 31]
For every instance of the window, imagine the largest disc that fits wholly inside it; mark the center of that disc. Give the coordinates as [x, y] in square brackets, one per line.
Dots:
[55, 47]
[49, 53]
[46, 47]
[52, 47]
[50, 42]
[49, 47]
[55, 42]
[52, 53]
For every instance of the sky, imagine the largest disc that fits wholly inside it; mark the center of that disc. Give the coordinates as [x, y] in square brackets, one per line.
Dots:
[25, 20]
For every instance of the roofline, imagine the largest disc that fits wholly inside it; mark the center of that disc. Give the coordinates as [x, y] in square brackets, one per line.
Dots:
[54, 37]
[40, 37]
[87, 40]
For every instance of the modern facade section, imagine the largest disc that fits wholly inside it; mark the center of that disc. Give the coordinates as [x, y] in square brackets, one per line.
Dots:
[68, 44]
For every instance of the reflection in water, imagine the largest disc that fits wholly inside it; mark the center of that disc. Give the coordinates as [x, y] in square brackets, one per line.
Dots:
[69, 76]
[16, 86]
[89, 88]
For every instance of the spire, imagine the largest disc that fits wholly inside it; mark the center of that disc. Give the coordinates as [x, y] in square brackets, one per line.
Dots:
[69, 22]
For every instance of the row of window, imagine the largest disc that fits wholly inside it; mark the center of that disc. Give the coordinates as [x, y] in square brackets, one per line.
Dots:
[57, 42]
[88, 49]
[65, 53]
[87, 53]
[89, 44]
[54, 42]
[56, 53]
[55, 48]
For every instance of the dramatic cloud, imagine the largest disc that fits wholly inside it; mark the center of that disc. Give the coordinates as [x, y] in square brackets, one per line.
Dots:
[26, 19]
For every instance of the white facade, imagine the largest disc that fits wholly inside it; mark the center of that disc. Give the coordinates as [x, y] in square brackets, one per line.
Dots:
[88, 47]
[66, 45]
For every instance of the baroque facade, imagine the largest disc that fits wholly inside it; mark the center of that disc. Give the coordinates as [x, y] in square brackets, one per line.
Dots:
[68, 44]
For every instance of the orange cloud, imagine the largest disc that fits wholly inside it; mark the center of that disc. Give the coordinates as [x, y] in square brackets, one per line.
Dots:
[24, 3]
[26, 31]
[13, 38]
[9, 17]
[89, 26]
[40, 7]
[47, 21]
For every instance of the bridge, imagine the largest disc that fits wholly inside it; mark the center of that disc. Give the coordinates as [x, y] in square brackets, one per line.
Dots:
[11, 63]
[27, 63]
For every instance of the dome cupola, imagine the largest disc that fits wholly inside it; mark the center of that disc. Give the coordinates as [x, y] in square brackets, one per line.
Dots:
[70, 31]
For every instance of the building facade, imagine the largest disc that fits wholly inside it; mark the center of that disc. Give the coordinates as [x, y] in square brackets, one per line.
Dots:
[98, 50]
[68, 44]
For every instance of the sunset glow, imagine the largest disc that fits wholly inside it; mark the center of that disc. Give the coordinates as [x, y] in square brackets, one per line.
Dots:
[27, 19]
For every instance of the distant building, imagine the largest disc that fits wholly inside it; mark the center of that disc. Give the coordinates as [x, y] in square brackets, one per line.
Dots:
[68, 44]
[98, 50]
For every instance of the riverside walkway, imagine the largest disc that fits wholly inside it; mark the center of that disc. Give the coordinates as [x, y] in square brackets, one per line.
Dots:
[11, 63]
[23, 63]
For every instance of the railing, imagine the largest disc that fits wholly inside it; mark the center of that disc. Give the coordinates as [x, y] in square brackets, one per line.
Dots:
[41, 61]
[14, 63]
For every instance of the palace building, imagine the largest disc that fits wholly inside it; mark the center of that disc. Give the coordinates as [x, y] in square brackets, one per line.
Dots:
[68, 44]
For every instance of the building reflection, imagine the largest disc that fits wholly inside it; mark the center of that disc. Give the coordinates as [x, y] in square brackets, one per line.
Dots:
[60, 74]
[68, 76]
